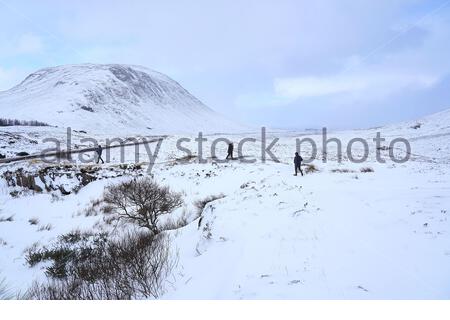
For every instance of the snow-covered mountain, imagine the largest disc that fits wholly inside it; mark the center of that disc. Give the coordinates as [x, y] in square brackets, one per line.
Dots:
[110, 98]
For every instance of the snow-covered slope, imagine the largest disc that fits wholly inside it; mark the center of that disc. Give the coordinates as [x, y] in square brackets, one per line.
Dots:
[341, 232]
[439, 121]
[428, 136]
[110, 98]
[434, 124]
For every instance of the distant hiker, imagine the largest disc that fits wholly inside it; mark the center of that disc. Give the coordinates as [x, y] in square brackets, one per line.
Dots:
[298, 162]
[99, 150]
[230, 151]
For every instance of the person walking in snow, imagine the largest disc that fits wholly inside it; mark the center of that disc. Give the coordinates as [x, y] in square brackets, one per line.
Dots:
[298, 162]
[230, 151]
[99, 150]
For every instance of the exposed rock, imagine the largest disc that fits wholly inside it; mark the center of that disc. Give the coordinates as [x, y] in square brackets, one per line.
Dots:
[22, 154]
[65, 178]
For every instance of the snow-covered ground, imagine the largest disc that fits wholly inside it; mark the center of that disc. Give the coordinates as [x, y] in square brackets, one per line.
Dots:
[330, 234]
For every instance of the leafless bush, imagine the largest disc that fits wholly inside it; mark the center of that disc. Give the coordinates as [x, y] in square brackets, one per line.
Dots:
[366, 170]
[134, 266]
[141, 201]
[202, 203]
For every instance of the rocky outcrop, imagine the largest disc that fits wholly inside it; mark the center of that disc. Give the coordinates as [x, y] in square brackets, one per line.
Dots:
[64, 179]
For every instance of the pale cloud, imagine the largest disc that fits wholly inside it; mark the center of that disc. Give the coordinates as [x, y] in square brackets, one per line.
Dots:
[261, 99]
[348, 87]
[29, 44]
[370, 84]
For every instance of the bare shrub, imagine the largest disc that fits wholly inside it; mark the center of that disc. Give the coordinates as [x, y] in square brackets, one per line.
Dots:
[202, 203]
[95, 267]
[141, 201]
[366, 170]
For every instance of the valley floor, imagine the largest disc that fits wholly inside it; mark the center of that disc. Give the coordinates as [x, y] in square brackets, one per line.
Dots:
[336, 233]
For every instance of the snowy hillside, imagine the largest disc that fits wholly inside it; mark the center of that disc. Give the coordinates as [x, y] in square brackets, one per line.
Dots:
[428, 135]
[436, 123]
[110, 98]
[345, 230]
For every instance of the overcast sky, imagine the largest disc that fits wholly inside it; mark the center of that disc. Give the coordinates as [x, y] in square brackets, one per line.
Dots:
[291, 64]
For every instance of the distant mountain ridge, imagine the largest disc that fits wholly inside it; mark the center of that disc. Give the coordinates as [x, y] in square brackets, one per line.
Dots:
[110, 98]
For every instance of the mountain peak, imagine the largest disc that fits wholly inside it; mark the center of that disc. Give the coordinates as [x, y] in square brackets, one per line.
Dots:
[109, 96]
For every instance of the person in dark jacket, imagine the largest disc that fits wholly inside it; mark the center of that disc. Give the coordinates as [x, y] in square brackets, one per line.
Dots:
[298, 162]
[230, 151]
[99, 153]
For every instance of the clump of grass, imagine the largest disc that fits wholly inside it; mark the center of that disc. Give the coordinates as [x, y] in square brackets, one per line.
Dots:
[311, 168]
[14, 194]
[366, 170]
[33, 221]
[8, 219]
[45, 227]
[92, 210]
[175, 224]
[5, 292]
[342, 171]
